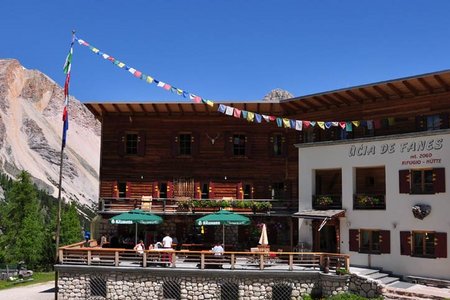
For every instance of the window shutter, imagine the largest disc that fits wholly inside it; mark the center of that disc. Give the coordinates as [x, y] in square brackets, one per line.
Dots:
[444, 120]
[170, 189]
[155, 189]
[175, 145]
[128, 190]
[248, 147]
[141, 143]
[115, 190]
[404, 179]
[385, 241]
[228, 144]
[284, 147]
[195, 144]
[271, 142]
[405, 243]
[197, 190]
[439, 180]
[211, 190]
[353, 240]
[421, 123]
[239, 191]
[440, 244]
[121, 143]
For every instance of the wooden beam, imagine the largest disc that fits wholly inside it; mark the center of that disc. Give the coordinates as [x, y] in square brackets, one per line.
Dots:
[334, 100]
[155, 109]
[116, 107]
[426, 85]
[342, 98]
[367, 94]
[354, 96]
[308, 103]
[324, 100]
[193, 108]
[410, 87]
[180, 107]
[296, 107]
[441, 82]
[131, 108]
[168, 109]
[143, 108]
[381, 92]
[102, 108]
[395, 90]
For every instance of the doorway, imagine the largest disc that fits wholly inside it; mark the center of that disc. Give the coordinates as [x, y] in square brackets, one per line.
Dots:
[325, 240]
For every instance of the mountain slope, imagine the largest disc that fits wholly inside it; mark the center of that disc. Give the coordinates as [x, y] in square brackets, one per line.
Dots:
[31, 106]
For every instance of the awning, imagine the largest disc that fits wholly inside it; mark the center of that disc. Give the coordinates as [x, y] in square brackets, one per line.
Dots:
[324, 215]
[320, 214]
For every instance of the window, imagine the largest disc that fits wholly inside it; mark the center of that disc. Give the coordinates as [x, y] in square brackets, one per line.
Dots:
[248, 191]
[433, 122]
[426, 244]
[370, 241]
[131, 143]
[239, 141]
[423, 244]
[205, 191]
[122, 188]
[277, 141]
[185, 144]
[422, 181]
[277, 190]
[163, 190]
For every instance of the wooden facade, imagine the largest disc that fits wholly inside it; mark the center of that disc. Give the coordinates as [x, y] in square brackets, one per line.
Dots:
[187, 150]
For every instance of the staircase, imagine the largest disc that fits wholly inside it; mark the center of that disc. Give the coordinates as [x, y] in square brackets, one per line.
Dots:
[394, 288]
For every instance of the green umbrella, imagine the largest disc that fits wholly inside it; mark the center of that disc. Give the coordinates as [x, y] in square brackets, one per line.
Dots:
[136, 216]
[223, 217]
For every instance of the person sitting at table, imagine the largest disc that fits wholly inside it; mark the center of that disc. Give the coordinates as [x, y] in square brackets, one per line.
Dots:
[217, 249]
[140, 247]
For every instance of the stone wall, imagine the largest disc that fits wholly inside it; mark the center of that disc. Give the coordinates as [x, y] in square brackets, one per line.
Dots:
[83, 282]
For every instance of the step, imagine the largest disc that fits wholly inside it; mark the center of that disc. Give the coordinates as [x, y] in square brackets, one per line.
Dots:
[393, 296]
[389, 280]
[363, 271]
[377, 275]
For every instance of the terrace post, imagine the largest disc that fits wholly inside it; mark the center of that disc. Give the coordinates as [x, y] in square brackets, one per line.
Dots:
[232, 261]
[202, 261]
[116, 258]
[89, 257]
[144, 259]
[291, 262]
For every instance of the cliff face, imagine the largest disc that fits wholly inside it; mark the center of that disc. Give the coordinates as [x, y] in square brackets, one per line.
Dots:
[31, 106]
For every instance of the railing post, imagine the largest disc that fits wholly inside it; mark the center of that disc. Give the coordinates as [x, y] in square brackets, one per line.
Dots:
[164, 205]
[174, 258]
[291, 262]
[61, 256]
[89, 257]
[144, 259]
[232, 261]
[347, 263]
[202, 261]
[116, 258]
[261, 261]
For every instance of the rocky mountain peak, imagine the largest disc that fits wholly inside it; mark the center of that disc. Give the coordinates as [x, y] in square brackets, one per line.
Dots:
[277, 95]
[31, 106]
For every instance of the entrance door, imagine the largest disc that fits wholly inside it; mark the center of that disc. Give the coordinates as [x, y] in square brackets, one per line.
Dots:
[325, 240]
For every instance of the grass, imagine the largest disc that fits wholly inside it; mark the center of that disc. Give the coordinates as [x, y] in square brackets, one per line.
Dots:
[38, 277]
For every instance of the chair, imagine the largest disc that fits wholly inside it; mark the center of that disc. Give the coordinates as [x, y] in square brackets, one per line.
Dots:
[146, 203]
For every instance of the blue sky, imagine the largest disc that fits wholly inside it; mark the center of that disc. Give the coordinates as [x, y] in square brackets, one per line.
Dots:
[227, 50]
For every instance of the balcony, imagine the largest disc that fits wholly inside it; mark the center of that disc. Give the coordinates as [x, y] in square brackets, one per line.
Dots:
[369, 201]
[326, 201]
[186, 205]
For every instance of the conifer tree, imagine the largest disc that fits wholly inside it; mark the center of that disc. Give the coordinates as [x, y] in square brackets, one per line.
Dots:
[22, 224]
[70, 226]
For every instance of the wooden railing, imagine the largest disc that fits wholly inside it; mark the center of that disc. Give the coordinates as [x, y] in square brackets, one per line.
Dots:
[174, 205]
[118, 257]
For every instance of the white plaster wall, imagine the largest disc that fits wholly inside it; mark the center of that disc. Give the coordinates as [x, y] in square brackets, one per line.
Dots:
[398, 215]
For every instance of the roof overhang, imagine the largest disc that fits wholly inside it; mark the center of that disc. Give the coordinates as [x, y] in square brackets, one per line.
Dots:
[320, 214]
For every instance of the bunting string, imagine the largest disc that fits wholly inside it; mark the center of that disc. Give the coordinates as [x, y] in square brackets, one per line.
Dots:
[252, 117]
[67, 68]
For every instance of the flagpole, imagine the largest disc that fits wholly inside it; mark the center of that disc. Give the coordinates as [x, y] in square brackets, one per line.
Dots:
[61, 160]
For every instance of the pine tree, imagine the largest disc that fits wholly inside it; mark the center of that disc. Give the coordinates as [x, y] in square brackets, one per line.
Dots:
[70, 226]
[22, 224]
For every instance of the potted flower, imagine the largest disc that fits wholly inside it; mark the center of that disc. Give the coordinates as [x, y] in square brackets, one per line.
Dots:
[324, 200]
[367, 200]
[185, 205]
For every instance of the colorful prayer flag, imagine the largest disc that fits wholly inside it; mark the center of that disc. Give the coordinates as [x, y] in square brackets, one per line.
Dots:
[229, 111]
